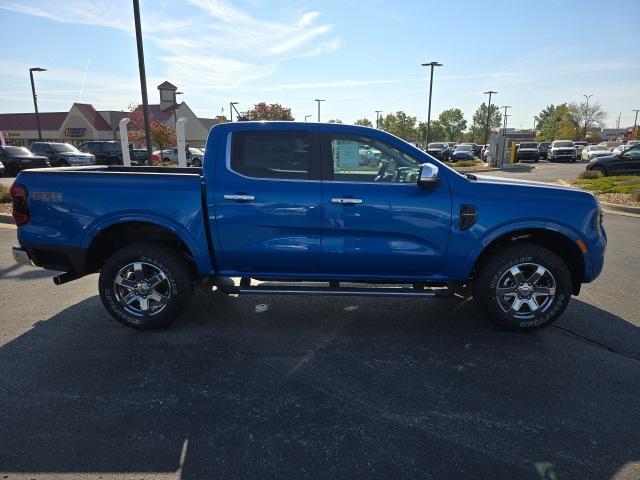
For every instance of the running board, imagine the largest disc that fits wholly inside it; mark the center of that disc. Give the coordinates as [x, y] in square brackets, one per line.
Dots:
[334, 289]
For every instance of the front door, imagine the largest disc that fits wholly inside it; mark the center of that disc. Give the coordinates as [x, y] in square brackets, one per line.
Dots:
[377, 222]
[267, 204]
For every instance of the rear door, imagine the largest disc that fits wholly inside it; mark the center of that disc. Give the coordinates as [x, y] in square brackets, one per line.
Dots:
[267, 203]
[377, 222]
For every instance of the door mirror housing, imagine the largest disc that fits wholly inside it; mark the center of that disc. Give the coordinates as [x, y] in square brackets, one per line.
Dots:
[428, 175]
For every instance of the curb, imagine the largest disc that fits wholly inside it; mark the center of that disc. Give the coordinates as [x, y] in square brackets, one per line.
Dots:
[4, 218]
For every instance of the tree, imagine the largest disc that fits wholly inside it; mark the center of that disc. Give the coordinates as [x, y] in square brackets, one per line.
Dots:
[555, 122]
[262, 111]
[453, 122]
[400, 124]
[162, 135]
[437, 133]
[480, 118]
[585, 117]
[335, 120]
[364, 122]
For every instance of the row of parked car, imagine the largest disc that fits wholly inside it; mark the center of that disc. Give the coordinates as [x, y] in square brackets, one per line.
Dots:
[570, 151]
[13, 159]
[453, 152]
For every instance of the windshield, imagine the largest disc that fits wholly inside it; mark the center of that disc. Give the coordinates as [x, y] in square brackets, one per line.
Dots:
[464, 148]
[436, 145]
[111, 146]
[17, 151]
[563, 144]
[64, 148]
[599, 148]
[528, 145]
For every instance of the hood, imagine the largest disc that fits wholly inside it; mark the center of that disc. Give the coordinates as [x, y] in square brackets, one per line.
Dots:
[528, 149]
[608, 156]
[28, 157]
[490, 180]
[76, 154]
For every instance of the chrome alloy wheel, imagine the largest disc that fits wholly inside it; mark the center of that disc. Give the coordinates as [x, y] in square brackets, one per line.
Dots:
[142, 289]
[525, 290]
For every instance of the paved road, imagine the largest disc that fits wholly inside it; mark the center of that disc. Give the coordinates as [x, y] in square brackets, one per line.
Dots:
[319, 387]
[544, 171]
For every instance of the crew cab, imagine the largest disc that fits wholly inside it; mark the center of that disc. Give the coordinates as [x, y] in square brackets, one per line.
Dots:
[62, 154]
[528, 151]
[562, 150]
[289, 208]
[106, 152]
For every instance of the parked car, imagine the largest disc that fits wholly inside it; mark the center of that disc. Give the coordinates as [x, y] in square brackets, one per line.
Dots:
[528, 151]
[543, 150]
[580, 144]
[477, 149]
[593, 151]
[16, 159]
[463, 152]
[106, 152]
[562, 150]
[437, 150]
[627, 163]
[62, 154]
[314, 220]
[195, 156]
[450, 147]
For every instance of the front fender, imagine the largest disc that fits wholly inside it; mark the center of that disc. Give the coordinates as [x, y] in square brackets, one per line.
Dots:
[566, 230]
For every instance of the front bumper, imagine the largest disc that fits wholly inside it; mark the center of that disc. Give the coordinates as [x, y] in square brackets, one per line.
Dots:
[21, 256]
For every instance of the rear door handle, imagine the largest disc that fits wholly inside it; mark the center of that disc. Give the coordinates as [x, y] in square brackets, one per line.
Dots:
[240, 198]
[347, 201]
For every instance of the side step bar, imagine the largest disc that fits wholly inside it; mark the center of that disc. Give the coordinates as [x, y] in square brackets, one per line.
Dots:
[334, 288]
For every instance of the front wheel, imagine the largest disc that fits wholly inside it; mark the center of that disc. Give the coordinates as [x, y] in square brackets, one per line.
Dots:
[523, 287]
[196, 162]
[145, 285]
[600, 169]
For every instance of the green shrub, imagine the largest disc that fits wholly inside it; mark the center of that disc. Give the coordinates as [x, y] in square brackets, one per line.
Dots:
[4, 194]
[590, 174]
[465, 163]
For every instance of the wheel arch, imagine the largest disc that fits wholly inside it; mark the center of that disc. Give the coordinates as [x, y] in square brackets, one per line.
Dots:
[559, 240]
[118, 233]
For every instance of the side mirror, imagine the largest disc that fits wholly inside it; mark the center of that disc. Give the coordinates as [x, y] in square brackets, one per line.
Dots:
[428, 175]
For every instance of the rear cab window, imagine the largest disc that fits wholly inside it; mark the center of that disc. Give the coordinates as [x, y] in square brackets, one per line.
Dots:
[273, 155]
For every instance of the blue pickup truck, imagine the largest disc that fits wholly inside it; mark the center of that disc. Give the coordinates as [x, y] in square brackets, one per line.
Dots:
[312, 209]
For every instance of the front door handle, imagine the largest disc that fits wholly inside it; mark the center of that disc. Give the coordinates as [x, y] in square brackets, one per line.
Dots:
[347, 201]
[240, 198]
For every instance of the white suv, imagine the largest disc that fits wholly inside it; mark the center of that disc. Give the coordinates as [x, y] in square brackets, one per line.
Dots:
[562, 150]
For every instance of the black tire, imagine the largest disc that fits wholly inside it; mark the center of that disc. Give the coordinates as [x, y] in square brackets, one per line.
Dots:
[12, 170]
[600, 169]
[175, 288]
[196, 162]
[524, 257]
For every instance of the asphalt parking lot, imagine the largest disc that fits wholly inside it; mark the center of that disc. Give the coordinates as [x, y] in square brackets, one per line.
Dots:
[316, 387]
[307, 387]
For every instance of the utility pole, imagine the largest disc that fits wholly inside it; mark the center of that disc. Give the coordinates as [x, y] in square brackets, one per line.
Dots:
[378, 112]
[504, 122]
[143, 79]
[319, 100]
[232, 107]
[535, 119]
[432, 65]
[35, 97]
[635, 123]
[586, 115]
[307, 116]
[486, 128]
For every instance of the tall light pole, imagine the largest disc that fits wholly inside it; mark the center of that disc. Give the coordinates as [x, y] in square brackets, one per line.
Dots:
[307, 116]
[175, 111]
[586, 114]
[535, 119]
[432, 65]
[504, 123]
[319, 100]
[143, 79]
[35, 97]
[378, 112]
[635, 123]
[618, 125]
[486, 129]
[232, 107]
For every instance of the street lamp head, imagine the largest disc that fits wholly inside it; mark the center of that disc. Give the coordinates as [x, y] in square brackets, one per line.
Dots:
[432, 64]
[37, 69]
[234, 103]
[489, 92]
[319, 100]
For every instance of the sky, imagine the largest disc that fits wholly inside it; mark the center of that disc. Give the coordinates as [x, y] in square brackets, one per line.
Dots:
[359, 55]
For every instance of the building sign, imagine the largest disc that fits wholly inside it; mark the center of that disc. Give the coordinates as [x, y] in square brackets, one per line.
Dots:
[74, 132]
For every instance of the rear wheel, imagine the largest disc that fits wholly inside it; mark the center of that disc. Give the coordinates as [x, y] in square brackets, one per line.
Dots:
[196, 162]
[600, 169]
[523, 287]
[145, 285]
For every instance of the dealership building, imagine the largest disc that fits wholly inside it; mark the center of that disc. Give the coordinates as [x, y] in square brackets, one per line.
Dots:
[83, 122]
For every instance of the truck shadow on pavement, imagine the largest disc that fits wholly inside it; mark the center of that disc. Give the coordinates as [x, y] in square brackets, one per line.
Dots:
[255, 387]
